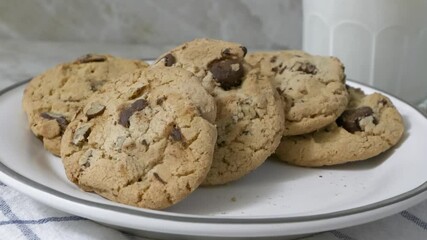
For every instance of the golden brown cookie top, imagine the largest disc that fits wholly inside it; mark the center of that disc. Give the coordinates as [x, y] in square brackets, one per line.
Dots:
[52, 98]
[369, 126]
[143, 141]
[250, 113]
[218, 63]
[313, 87]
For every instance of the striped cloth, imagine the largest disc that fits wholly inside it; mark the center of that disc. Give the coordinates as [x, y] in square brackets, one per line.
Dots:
[23, 218]
[26, 219]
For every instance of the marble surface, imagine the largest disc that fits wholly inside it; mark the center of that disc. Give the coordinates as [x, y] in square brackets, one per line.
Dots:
[20, 60]
[268, 24]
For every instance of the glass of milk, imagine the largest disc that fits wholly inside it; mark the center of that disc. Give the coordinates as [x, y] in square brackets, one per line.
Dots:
[382, 43]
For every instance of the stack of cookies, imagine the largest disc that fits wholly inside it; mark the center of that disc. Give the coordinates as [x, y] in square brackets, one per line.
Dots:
[204, 113]
[326, 121]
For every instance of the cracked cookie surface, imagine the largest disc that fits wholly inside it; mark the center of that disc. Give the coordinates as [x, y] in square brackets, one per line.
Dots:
[369, 126]
[142, 142]
[51, 99]
[250, 118]
[312, 86]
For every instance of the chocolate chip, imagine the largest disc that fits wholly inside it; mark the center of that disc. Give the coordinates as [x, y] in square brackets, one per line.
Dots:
[275, 69]
[310, 68]
[226, 52]
[61, 120]
[159, 101]
[81, 134]
[245, 50]
[227, 72]
[383, 102]
[282, 70]
[305, 67]
[169, 60]
[176, 134]
[126, 113]
[350, 119]
[273, 59]
[95, 110]
[88, 58]
[156, 175]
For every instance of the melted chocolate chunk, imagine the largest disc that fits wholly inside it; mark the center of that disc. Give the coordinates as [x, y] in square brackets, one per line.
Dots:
[61, 120]
[126, 113]
[350, 119]
[88, 58]
[227, 72]
[169, 60]
[176, 134]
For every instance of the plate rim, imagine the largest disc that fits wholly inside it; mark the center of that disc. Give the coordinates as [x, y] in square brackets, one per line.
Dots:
[161, 215]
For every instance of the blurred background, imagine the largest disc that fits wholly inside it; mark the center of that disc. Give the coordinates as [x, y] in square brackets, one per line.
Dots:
[38, 34]
[268, 24]
[384, 45]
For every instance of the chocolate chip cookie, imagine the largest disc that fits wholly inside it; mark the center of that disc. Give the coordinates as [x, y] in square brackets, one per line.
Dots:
[369, 126]
[312, 86]
[51, 99]
[142, 141]
[250, 118]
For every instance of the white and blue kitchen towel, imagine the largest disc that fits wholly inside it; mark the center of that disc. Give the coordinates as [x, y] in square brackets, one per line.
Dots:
[23, 218]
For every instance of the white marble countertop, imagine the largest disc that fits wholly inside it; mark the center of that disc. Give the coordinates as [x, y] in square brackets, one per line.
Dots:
[22, 60]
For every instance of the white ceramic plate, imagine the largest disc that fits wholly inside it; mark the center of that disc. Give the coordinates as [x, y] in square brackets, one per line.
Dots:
[275, 200]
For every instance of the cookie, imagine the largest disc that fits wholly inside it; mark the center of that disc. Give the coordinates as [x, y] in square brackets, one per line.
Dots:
[250, 118]
[369, 126]
[52, 98]
[143, 141]
[313, 87]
